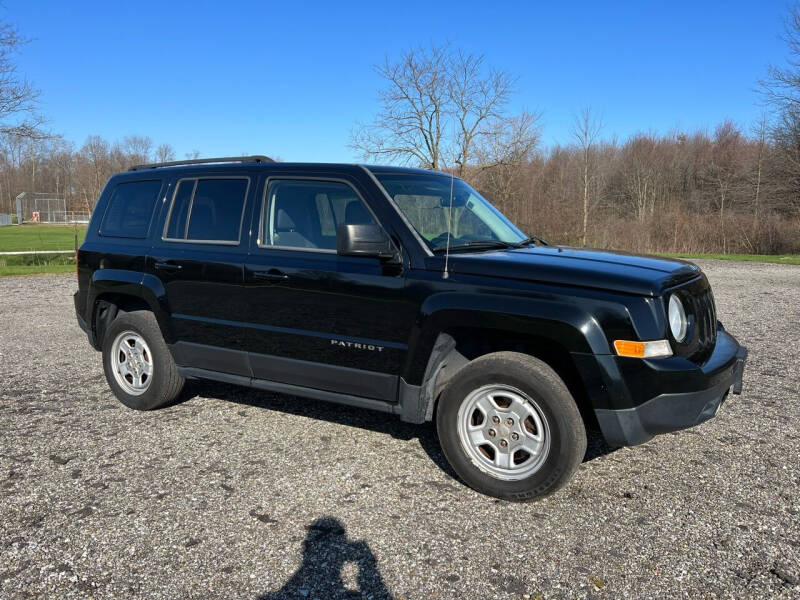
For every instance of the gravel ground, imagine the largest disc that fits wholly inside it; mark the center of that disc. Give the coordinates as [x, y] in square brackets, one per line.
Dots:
[236, 493]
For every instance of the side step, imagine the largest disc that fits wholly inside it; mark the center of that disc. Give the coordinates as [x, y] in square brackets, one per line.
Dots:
[294, 390]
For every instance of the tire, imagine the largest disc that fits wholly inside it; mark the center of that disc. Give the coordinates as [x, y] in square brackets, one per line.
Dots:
[140, 331]
[502, 397]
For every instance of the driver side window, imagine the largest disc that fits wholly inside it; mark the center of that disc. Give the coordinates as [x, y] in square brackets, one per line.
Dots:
[304, 214]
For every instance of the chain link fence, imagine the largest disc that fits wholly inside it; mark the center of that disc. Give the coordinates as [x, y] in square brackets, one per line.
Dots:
[41, 207]
[5, 219]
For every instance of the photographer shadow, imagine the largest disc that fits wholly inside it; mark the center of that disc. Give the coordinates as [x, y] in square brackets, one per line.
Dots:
[326, 551]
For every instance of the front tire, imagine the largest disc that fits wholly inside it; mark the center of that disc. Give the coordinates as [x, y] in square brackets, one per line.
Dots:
[510, 428]
[137, 363]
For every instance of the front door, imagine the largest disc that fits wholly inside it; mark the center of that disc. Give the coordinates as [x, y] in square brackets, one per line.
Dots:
[318, 319]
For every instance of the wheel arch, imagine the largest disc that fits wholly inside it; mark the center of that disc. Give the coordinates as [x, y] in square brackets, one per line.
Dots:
[450, 338]
[114, 292]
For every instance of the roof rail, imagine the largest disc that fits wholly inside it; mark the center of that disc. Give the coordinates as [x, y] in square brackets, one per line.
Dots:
[258, 158]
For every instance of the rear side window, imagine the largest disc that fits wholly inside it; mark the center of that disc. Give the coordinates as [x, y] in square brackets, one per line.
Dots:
[130, 209]
[207, 210]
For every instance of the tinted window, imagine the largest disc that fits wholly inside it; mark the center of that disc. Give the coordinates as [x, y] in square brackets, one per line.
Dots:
[213, 208]
[305, 214]
[130, 209]
[176, 228]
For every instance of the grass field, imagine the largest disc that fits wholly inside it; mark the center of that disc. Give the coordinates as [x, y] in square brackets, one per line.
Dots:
[37, 238]
[780, 259]
[16, 238]
[6, 271]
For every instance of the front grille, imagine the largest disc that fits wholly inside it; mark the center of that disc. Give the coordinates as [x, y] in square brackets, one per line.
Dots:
[698, 300]
[705, 315]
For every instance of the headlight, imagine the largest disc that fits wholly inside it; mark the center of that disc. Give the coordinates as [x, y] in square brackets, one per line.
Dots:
[677, 318]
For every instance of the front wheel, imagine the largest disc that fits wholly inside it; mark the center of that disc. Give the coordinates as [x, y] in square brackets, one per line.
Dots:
[510, 428]
[137, 363]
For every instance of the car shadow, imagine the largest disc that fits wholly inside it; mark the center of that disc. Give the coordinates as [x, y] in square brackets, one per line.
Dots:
[389, 424]
[596, 445]
[326, 551]
[340, 414]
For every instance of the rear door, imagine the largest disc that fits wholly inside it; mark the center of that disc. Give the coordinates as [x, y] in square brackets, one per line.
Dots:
[199, 258]
[117, 240]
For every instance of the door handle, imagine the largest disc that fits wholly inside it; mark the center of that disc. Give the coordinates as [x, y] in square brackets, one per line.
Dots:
[271, 275]
[163, 266]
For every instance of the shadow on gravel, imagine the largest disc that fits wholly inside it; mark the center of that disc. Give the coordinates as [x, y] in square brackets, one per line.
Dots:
[596, 445]
[326, 550]
[318, 409]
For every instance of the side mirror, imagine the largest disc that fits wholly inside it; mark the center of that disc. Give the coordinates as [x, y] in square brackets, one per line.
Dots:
[363, 240]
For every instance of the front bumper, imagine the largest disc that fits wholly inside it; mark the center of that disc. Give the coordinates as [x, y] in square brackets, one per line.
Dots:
[673, 408]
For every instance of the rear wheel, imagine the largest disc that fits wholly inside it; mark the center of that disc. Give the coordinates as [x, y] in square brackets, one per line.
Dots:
[510, 428]
[137, 363]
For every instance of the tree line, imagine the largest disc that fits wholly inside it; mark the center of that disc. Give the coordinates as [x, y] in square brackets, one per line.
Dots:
[50, 164]
[728, 189]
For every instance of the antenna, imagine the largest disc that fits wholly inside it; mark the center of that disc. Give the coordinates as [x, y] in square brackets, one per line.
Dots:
[446, 274]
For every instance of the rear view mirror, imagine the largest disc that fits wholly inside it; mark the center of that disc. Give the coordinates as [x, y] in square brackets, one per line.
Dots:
[459, 200]
[363, 240]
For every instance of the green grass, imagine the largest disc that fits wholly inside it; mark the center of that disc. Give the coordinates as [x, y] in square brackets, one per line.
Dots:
[781, 259]
[26, 264]
[15, 238]
[35, 269]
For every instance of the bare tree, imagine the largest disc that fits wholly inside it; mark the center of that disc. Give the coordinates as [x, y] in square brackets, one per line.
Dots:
[781, 87]
[762, 144]
[165, 153]
[137, 148]
[97, 168]
[781, 90]
[409, 127]
[725, 168]
[586, 131]
[18, 115]
[502, 153]
[439, 108]
[477, 100]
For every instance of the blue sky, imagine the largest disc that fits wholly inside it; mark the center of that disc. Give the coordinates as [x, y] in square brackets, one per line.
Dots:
[292, 78]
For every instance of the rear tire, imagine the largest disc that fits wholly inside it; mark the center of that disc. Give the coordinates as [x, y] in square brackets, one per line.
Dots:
[138, 365]
[510, 428]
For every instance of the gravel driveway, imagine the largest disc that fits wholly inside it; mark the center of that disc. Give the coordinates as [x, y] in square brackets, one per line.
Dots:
[236, 493]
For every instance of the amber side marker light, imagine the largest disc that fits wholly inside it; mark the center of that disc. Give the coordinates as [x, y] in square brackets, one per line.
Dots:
[651, 349]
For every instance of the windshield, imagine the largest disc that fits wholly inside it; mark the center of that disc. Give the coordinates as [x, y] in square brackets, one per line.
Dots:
[425, 202]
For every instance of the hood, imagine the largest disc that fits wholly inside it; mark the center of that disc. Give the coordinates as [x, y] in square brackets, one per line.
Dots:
[600, 269]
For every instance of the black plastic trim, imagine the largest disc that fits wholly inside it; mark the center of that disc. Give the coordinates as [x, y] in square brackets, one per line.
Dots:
[257, 158]
[335, 378]
[669, 412]
[214, 358]
[294, 390]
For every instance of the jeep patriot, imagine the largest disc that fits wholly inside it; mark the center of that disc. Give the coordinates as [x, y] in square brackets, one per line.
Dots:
[403, 291]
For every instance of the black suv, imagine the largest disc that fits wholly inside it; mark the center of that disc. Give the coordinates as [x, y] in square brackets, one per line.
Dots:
[403, 291]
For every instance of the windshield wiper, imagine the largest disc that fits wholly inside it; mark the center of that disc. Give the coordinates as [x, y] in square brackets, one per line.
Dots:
[478, 245]
[531, 240]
